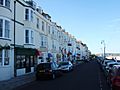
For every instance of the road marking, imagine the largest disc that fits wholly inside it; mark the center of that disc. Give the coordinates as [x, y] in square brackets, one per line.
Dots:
[100, 81]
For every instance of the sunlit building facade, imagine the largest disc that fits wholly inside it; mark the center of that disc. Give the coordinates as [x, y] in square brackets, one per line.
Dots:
[28, 37]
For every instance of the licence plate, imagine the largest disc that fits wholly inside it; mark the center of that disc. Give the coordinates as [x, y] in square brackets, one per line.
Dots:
[42, 71]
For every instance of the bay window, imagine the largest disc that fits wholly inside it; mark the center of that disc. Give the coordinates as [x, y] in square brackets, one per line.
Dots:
[32, 37]
[4, 28]
[4, 57]
[1, 2]
[0, 57]
[7, 28]
[5, 3]
[1, 27]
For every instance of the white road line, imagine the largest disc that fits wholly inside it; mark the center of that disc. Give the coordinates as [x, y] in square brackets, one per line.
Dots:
[100, 82]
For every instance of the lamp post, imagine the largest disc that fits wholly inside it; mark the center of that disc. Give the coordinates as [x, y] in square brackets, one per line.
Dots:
[103, 42]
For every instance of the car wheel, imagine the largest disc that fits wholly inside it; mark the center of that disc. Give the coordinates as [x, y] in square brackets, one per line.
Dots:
[53, 76]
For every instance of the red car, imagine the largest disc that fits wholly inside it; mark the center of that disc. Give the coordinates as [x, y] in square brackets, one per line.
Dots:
[114, 77]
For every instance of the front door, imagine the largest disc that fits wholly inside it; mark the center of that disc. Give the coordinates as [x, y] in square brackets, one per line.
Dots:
[27, 64]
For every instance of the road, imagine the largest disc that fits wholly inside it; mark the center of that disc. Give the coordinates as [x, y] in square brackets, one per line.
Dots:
[86, 76]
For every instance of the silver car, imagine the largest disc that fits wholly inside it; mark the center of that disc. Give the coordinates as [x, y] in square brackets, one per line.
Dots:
[66, 66]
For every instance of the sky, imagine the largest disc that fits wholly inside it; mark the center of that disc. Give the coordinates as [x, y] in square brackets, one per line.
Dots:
[90, 21]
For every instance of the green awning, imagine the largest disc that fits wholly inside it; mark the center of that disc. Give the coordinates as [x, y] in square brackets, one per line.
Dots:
[25, 51]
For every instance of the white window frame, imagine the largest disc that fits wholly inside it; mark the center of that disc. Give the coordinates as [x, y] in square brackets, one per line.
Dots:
[29, 14]
[6, 3]
[2, 63]
[43, 26]
[43, 41]
[4, 28]
[7, 29]
[38, 23]
[30, 36]
[49, 28]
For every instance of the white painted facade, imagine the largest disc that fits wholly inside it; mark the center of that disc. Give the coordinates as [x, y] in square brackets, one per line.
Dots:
[25, 29]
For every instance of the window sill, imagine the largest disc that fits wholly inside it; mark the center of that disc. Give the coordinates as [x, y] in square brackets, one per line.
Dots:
[6, 8]
[29, 44]
[5, 38]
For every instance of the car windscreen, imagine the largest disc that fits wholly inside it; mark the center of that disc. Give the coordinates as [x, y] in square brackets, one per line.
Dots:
[44, 66]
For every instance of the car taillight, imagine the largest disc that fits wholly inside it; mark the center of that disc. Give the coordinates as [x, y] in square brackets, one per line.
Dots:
[116, 81]
[50, 70]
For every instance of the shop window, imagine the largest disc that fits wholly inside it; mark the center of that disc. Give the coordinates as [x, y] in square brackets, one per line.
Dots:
[32, 61]
[20, 61]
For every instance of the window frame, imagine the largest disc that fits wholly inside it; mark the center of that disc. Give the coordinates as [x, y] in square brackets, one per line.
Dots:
[43, 26]
[38, 22]
[5, 58]
[5, 3]
[29, 37]
[27, 14]
[5, 28]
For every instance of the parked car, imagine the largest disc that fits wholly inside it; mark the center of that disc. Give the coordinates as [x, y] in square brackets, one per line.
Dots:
[114, 77]
[65, 66]
[108, 67]
[47, 70]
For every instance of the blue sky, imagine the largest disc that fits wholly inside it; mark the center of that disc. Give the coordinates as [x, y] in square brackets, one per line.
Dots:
[88, 20]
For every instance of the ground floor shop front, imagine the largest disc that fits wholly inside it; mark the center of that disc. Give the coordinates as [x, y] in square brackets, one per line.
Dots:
[23, 61]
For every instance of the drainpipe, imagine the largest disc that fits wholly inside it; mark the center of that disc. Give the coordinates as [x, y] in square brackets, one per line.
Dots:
[14, 39]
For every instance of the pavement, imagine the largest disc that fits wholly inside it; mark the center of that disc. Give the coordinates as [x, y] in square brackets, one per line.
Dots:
[17, 81]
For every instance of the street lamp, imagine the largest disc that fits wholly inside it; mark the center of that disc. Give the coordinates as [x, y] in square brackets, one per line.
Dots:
[103, 42]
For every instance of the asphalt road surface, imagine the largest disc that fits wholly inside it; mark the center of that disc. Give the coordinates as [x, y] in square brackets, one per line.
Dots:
[86, 76]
